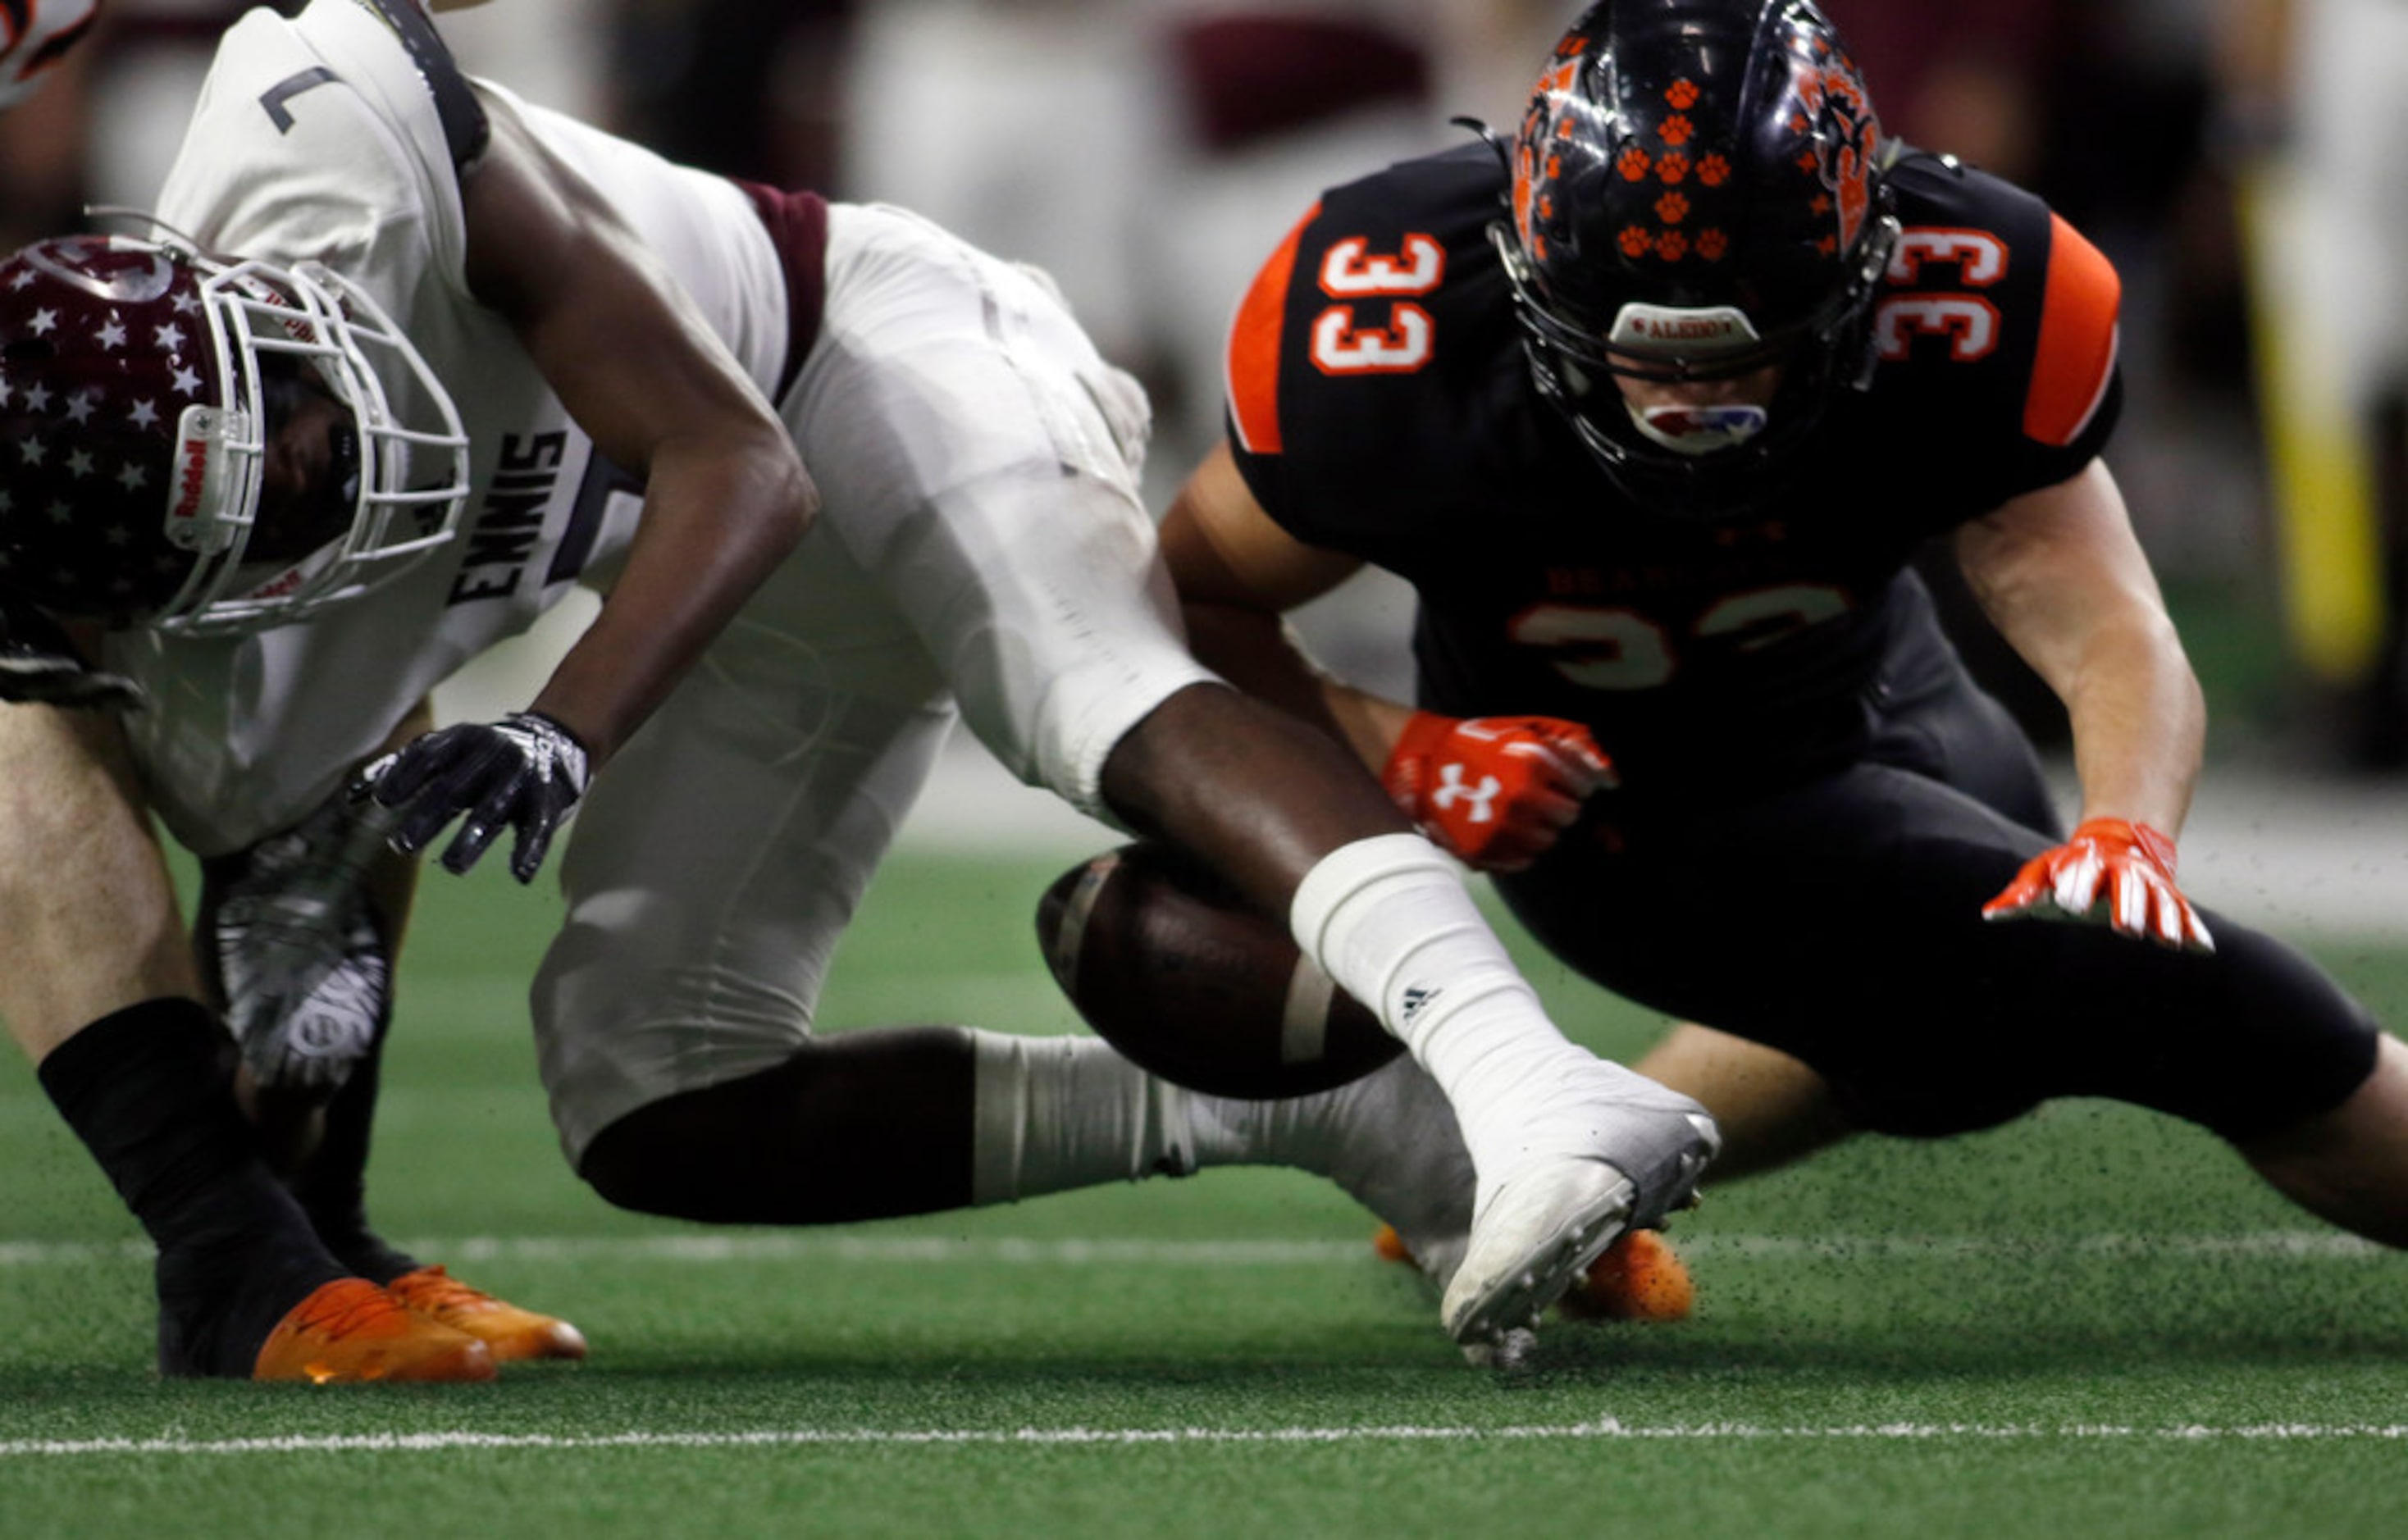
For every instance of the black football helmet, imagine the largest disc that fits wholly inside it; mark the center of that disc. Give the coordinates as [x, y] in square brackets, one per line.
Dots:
[1698, 194]
[141, 386]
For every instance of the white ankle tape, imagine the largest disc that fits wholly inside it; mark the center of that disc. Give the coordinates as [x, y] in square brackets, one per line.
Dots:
[1056, 1113]
[1343, 876]
[1390, 920]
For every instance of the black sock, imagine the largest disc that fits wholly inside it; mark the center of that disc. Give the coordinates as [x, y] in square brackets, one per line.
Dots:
[859, 1125]
[332, 1184]
[149, 1092]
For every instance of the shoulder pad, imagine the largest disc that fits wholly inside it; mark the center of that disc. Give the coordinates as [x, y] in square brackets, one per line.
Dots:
[2076, 358]
[1986, 273]
[1382, 247]
[1253, 357]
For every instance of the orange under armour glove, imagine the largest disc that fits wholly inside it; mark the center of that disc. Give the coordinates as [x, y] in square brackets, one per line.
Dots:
[2111, 871]
[1494, 791]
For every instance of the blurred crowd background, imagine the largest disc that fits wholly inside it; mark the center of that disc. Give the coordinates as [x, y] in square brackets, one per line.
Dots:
[2243, 162]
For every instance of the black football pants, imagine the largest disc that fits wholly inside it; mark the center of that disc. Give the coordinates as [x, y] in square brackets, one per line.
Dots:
[1841, 923]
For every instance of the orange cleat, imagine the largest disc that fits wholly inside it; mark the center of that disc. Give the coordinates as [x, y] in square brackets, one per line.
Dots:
[511, 1333]
[1639, 1277]
[351, 1332]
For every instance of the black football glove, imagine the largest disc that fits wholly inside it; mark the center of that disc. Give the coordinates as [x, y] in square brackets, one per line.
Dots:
[300, 960]
[526, 770]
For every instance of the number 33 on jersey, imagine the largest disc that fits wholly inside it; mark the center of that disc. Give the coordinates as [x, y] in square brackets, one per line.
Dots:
[1381, 404]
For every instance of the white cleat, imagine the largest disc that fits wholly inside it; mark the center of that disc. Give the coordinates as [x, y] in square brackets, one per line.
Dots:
[1612, 1150]
[1403, 1159]
[1531, 1237]
[1615, 1151]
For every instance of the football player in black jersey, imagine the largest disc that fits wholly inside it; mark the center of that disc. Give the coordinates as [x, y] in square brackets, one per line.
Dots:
[1650, 404]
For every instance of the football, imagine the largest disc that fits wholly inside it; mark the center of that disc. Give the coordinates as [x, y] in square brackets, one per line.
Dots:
[1168, 965]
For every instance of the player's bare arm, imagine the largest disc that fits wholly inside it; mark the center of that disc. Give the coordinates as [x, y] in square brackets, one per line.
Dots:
[2060, 574]
[2062, 577]
[726, 496]
[1237, 573]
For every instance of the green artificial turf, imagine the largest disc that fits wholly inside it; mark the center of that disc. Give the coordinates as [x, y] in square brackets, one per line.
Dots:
[2093, 1322]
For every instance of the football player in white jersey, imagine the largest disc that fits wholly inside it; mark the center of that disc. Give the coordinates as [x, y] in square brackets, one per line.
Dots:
[402, 362]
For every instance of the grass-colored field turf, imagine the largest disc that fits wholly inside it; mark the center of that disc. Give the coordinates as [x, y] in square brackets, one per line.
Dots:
[2092, 1324]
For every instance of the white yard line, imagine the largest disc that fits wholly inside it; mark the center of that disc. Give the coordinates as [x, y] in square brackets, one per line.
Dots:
[714, 1249]
[1602, 1429]
[747, 1246]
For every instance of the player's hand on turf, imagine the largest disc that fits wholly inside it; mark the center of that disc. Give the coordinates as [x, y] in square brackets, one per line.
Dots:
[300, 958]
[2110, 872]
[1495, 791]
[525, 773]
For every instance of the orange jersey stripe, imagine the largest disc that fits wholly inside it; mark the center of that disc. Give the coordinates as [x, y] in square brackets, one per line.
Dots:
[2077, 338]
[1254, 348]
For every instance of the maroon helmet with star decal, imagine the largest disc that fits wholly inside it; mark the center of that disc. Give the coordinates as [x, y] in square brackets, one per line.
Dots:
[142, 386]
[1697, 193]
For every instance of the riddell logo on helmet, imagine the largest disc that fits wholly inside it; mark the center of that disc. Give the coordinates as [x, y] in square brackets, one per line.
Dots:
[191, 479]
[195, 479]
